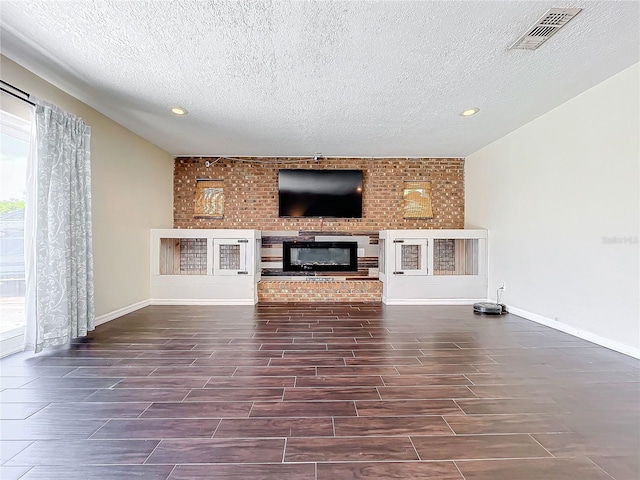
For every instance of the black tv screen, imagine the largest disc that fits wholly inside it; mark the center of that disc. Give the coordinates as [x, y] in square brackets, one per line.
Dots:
[320, 193]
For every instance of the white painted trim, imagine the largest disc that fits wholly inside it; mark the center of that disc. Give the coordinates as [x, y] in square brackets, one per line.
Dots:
[15, 126]
[107, 317]
[14, 332]
[199, 301]
[576, 332]
[11, 341]
[11, 345]
[18, 349]
[432, 301]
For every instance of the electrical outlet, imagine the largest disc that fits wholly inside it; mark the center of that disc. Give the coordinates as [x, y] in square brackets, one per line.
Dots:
[503, 286]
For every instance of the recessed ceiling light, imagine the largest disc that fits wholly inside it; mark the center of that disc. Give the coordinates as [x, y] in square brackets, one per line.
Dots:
[179, 110]
[469, 111]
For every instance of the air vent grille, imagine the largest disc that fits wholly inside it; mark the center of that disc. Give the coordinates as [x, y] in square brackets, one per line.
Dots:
[553, 18]
[545, 27]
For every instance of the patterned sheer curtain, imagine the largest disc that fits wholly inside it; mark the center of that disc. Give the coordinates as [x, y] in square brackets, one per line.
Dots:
[58, 246]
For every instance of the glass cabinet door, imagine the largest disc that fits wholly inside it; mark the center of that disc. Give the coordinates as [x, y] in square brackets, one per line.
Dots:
[230, 256]
[411, 256]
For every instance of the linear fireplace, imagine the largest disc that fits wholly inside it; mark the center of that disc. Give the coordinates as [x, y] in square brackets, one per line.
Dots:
[320, 256]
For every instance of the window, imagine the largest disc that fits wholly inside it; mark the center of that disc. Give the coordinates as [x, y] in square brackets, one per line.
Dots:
[14, 151]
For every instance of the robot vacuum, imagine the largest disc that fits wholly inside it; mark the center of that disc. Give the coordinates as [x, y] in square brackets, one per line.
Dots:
[489, 308]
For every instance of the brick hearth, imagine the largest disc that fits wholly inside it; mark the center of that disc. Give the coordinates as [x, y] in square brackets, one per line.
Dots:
[284, 291]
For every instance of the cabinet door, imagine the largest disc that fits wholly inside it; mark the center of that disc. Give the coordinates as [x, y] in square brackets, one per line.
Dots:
[411, 256]
[231, 256]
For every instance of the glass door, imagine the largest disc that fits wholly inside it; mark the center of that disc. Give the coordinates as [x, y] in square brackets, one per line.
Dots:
[411, 256]
[14, 152]
[230, 256]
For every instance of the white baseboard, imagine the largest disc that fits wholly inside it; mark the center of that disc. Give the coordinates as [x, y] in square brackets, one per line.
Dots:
[199, 301]
[576, 332]
[107, 317]
[432, 301]
[12, 345]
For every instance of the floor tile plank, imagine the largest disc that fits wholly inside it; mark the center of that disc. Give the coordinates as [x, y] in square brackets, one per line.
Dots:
[303, 409]
[407, 408]
[373, 426]
[47, 428]
[14, 473]
[86, 410]
[299, 471]
[331, 393]
[460, 447]
[424, 380]
[251, 382]
[275, 427]
[619, 467]
[349, 449]
[340, 381]
[539, 468]
[10, 448]
[19, 411]
[85, 452]
[217, 451]
[151, 428]
[197, 410]
[486, 424]
[103, 472]
[234, 394]
[389, 470]
[424, 393]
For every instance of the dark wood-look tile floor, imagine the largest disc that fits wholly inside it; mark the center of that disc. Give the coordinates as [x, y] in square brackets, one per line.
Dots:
[321, 392]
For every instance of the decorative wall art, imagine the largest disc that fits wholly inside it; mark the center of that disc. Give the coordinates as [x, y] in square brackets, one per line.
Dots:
[417, 200]
[209, 200]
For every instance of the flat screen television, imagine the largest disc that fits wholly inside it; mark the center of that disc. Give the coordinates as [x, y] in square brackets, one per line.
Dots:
[320, 193]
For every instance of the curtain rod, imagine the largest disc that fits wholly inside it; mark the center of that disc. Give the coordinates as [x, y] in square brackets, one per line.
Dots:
[15, 94]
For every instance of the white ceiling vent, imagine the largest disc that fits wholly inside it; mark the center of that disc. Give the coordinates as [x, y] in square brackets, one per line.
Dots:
[543, 29]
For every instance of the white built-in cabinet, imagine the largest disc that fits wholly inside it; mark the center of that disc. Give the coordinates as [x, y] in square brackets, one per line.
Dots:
[419, 267]
[205, 266]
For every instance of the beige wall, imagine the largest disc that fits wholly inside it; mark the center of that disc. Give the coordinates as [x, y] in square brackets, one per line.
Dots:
[132, 184]
[560, 198]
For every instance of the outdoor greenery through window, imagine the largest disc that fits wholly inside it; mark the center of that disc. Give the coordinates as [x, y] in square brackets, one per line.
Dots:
[14, 150]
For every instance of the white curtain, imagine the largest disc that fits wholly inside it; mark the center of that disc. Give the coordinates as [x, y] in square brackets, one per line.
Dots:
[58, 244]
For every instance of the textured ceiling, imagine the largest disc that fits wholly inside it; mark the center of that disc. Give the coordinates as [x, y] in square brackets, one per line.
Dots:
[342, 78]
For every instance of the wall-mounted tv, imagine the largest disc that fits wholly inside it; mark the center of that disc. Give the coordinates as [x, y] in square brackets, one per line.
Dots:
[320, 193]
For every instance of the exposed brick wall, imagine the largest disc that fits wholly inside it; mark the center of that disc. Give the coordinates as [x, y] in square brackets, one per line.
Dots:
[290, 291]
[251, 193]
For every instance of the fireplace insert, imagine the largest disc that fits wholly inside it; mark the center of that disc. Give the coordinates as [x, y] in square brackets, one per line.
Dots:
[320, 256]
